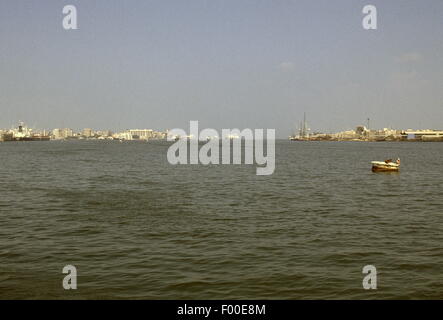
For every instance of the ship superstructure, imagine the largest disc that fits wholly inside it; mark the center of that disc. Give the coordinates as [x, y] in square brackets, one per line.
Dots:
[303, 131]
[23, 133]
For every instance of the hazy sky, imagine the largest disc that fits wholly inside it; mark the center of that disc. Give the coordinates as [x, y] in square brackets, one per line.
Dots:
[240, 63]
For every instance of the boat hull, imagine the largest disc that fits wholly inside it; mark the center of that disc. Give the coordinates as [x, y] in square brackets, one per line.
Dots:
[35, 138]
[378, 166]
[380, 169]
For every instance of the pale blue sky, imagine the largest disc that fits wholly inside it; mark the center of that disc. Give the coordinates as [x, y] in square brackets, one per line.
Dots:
[243, 63]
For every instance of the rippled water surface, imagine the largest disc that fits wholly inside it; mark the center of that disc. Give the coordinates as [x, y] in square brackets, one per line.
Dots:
[136, 227]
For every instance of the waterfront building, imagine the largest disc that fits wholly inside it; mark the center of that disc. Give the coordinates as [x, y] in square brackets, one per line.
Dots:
[6, 136]
[123, 136]
[58, 134]
[68, 133]
[347, 135]
[87, 132]
[143, 134]
[104, 133]
[424, 135]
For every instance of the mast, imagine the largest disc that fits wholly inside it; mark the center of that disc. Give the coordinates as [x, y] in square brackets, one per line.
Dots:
[369, 130]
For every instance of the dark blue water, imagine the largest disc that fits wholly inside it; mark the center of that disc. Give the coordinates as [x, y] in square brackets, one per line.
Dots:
[137, 227]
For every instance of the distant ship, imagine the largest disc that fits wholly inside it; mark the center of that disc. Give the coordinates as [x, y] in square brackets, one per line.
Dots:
[23, 133]
[303, 132]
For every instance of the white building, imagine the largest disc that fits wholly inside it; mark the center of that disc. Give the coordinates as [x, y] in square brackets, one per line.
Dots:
[62, 133]
[87, 132]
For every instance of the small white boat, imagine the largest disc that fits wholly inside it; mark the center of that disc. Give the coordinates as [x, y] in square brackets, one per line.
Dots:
[385, 166]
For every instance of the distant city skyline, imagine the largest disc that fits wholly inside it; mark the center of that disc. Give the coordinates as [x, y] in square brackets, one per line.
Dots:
[228, 64]
[295, 130]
